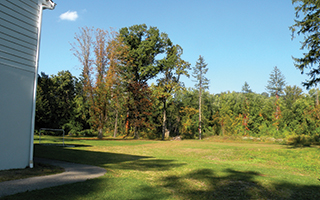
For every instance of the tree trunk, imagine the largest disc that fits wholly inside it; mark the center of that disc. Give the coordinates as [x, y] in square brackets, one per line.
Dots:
[100, 127]
[164, 119]
[116, 125]
[127, 123]
[317, 100]
[100, 134]
[200, 113]
[136, 134]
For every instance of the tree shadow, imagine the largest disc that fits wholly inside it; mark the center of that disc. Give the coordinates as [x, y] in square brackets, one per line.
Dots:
[99, 188]
[82, 156]
[65, 145]
[102, 159]
[205, 184]
[197, 184]
[102, 187]
[302, 147]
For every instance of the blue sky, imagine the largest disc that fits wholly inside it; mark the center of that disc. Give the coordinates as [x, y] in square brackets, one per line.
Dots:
[240, 40]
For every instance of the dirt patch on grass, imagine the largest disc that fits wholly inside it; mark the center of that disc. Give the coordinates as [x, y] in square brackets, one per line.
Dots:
[39, 169]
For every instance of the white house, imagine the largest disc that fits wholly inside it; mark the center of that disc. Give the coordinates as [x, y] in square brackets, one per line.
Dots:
[20, 29]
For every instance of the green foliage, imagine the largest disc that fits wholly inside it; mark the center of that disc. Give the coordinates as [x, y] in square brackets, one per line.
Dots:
[199, 71]
[300, 140]
[174, 66]
[202, 84]
[246, 88]
[291, 94]
[144, 45]
[276, 82]
[307, 23]
[113, 98]
[56, 102]
[139, 64]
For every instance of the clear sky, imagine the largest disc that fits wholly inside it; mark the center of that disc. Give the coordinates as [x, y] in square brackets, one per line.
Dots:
[240, 40]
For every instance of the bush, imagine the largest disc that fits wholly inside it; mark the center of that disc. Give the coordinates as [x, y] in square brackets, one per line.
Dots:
[316, 139]
[88, 133]
[300, 140]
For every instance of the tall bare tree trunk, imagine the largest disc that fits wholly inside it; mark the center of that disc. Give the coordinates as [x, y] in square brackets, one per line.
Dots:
[200, 112]
[164, 119]
[116, 125]
[277, 110]
[136, 133]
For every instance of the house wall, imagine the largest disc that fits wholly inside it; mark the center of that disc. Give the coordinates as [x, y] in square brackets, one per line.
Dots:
[18, 48]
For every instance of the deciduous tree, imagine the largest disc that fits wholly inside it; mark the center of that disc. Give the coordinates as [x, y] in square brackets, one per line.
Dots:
[140, 64]
[98, 52]
[173, 67]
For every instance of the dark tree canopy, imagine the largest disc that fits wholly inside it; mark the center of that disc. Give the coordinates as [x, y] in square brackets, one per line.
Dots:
[144, 45]
[140, 65]
[308, 24]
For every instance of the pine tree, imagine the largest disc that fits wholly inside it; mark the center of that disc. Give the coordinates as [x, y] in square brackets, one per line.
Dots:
[309, 27]
[202, 82]
[246, 88]
[276, 82]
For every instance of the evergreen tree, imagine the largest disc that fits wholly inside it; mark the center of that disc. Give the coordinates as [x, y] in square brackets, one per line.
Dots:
[199, 72]
[309, 27]
[246, 88]
[276, 82]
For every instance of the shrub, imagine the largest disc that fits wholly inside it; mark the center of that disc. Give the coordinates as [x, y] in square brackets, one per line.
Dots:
[87, 133]
[300, 140]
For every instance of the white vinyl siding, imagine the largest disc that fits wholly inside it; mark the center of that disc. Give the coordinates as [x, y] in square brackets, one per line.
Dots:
[18, 33]
[18, 54]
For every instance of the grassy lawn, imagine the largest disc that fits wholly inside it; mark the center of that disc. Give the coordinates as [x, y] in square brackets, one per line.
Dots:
[186, 169]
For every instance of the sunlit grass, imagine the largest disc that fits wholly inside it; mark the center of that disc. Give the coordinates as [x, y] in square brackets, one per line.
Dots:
[189, 169]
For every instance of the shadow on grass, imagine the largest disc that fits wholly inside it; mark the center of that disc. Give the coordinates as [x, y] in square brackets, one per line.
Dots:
[105, 187]
[99, 188]
[197, 184]
[65, 145]
[302, 147]
[124, 161]
[205, 184]
[82, 156]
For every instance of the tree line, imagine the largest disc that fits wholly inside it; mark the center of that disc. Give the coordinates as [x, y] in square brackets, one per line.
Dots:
[61, 102]
[112, 97]
[168, 108]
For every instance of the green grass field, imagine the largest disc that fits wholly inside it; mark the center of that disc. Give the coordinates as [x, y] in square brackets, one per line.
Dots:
[188, 169]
